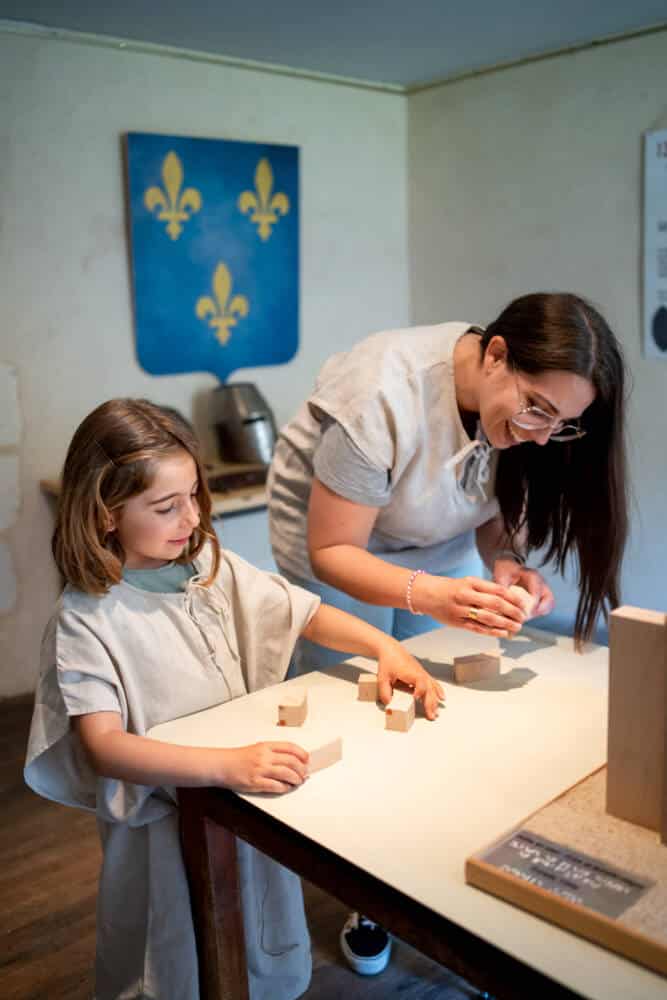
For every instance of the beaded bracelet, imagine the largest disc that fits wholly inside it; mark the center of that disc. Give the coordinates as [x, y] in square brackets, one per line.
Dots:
[408, 593]
[510, 554]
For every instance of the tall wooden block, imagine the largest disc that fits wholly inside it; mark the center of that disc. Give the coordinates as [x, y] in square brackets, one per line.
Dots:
[637, 734]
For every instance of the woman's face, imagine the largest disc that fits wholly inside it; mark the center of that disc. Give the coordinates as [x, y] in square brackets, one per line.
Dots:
[504, 391]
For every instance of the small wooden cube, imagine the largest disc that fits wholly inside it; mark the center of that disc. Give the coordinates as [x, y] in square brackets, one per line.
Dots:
[476, 667]
[328, 753]
[400, 712]
[368, 687]
[293, 707]
[528, 602]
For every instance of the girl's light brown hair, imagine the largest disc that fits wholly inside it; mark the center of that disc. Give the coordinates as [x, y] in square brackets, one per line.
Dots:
[113, 457]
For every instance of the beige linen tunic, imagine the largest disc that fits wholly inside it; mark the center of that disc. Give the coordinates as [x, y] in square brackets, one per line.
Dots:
[152, 658]
[394, 396]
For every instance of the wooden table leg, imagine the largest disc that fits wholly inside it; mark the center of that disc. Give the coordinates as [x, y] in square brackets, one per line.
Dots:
[209, 852]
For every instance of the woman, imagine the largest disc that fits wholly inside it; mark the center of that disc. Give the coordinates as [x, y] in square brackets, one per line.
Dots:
[421, 450]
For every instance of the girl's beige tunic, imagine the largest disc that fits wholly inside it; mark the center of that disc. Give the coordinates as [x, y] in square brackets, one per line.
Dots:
[152, 658]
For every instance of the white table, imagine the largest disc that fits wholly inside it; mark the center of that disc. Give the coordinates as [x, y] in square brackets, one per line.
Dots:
[388, 828]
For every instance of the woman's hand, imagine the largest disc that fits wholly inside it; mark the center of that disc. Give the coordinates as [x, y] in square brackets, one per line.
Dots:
[469, 602]
[264, 767]
[508, 572]
[396, 664]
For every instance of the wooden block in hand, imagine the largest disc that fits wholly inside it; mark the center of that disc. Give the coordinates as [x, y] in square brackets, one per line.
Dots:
[293, 707]
[476, 667]
[324, 755]
[400, 712]
[368, 687]
[528, 602]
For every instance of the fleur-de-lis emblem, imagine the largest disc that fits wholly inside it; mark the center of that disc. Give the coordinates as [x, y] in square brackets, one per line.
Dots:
[261, 202]
[221, 316]
[175, 207]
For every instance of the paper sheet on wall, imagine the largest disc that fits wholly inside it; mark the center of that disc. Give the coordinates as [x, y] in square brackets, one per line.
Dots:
[655, 244]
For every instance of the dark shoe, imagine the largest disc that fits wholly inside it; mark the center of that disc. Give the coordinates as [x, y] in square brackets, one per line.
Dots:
[366, 945]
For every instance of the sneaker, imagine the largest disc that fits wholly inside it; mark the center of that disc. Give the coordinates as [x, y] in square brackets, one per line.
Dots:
[366, 945]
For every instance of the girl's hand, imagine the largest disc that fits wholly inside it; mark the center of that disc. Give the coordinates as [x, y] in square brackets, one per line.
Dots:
[396, 664]
[469, 602]
[264, 767]
[508, 572]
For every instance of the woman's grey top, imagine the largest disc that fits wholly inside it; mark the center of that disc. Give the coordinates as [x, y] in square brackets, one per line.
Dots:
[382, 427]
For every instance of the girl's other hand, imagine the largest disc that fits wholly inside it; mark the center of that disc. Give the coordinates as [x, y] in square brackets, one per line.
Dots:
[396, 664]
[264, 767]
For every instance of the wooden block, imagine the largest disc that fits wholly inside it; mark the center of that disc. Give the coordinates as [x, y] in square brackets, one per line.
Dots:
[326, 754]
[293, 707]
[476, 667]
[528, 602]
[637, 736]
[368, 687]
[400, 712]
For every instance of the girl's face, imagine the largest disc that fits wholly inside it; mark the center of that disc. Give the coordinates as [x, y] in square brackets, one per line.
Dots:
[155, 526]
[504, 391]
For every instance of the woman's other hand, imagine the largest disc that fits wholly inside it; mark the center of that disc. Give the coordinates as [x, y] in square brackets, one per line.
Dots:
[508, 573]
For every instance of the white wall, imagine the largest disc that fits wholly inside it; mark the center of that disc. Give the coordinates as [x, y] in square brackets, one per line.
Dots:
[529, 179]
[65, 317]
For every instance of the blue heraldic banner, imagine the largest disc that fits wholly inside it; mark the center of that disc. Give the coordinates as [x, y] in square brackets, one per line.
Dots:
[215, 253]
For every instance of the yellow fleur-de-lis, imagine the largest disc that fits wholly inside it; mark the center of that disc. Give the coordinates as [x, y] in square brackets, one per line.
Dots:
[221, 316]
[263, 204]
[174, 207]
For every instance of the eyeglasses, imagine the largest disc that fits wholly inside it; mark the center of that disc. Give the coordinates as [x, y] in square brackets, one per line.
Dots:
[532, 418]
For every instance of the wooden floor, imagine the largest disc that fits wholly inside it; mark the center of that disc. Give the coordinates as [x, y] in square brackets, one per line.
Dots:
[49, 860]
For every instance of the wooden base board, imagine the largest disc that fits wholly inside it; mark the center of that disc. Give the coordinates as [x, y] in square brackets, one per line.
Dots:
[578, 820]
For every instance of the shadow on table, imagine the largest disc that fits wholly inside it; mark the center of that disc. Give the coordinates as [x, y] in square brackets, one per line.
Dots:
[508, 680]
[525, 643]
[515, 678]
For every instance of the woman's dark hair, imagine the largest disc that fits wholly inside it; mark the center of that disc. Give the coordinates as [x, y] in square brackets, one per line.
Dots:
[112, 457]
[569, 496]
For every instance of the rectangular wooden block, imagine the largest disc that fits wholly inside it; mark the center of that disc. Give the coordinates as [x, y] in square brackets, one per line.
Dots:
[326, 754]
[637, 736]
[400, 712]
[368, 687]
[293, 707]
[476, 667]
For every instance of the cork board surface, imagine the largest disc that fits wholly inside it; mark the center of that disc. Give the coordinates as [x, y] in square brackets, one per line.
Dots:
[577, 819]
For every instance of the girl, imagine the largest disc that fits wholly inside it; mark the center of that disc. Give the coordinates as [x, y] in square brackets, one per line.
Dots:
[156, 622]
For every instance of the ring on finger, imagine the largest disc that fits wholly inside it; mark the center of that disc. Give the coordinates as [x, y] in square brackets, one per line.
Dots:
[473, 614]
